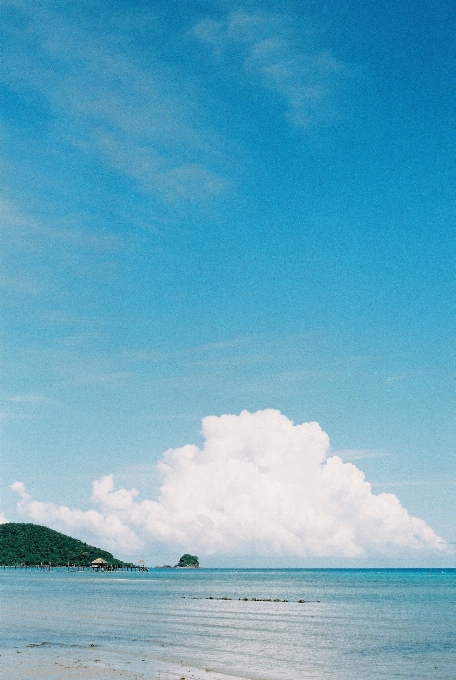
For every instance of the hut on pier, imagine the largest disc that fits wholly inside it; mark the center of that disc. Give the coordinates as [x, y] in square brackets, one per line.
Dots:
[99, 563]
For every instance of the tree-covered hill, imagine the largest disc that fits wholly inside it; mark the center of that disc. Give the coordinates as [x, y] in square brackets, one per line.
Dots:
[33, 544]
[188, 561]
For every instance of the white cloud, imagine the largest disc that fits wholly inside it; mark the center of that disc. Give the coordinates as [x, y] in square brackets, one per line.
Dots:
[113, 534]
[304, 78]
[30, 400]
[260, 484]
[359, 454]
[3, 518]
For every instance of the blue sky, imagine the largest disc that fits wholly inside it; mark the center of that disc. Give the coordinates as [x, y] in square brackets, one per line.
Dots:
[213, 207]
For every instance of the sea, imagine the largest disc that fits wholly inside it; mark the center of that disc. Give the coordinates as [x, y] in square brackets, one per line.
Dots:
[257, 624]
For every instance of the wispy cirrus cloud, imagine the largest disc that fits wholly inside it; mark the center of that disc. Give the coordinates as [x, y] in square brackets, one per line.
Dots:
[401, 376]
[139, 117]
[38, 252]
[359, 454]
[25, 232]
[23, 407]
[417, 482]
[304, 76]
[29, 399]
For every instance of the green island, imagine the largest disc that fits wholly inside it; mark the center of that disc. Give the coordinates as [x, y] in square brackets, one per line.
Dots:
[188, 561]
[32, 544]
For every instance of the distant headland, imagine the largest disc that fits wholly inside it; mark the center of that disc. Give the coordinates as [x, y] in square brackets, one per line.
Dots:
[33, 544]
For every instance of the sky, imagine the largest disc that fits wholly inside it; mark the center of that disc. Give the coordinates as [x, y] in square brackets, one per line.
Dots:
[228, 256]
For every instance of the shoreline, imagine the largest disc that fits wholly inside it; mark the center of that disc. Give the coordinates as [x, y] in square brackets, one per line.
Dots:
[46, 661]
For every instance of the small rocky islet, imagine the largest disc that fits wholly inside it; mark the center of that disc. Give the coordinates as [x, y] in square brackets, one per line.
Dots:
[187, 561]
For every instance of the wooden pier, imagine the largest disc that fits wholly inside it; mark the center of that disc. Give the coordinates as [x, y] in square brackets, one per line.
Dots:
[75, 567]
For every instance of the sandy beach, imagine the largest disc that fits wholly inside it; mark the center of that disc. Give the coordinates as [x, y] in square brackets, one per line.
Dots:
[46, 662]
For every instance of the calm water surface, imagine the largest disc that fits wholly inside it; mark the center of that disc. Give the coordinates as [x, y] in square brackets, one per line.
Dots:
[354, 625]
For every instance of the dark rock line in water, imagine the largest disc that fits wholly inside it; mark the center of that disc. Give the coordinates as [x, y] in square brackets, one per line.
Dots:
[247, 599]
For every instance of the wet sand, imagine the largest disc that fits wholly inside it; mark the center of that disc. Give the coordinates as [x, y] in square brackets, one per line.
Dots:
[54, 662]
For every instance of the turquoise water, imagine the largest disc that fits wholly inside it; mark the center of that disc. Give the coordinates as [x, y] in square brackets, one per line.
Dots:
[355, 624]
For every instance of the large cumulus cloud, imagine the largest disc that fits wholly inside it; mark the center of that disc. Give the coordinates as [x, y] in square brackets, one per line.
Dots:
[260, 484]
